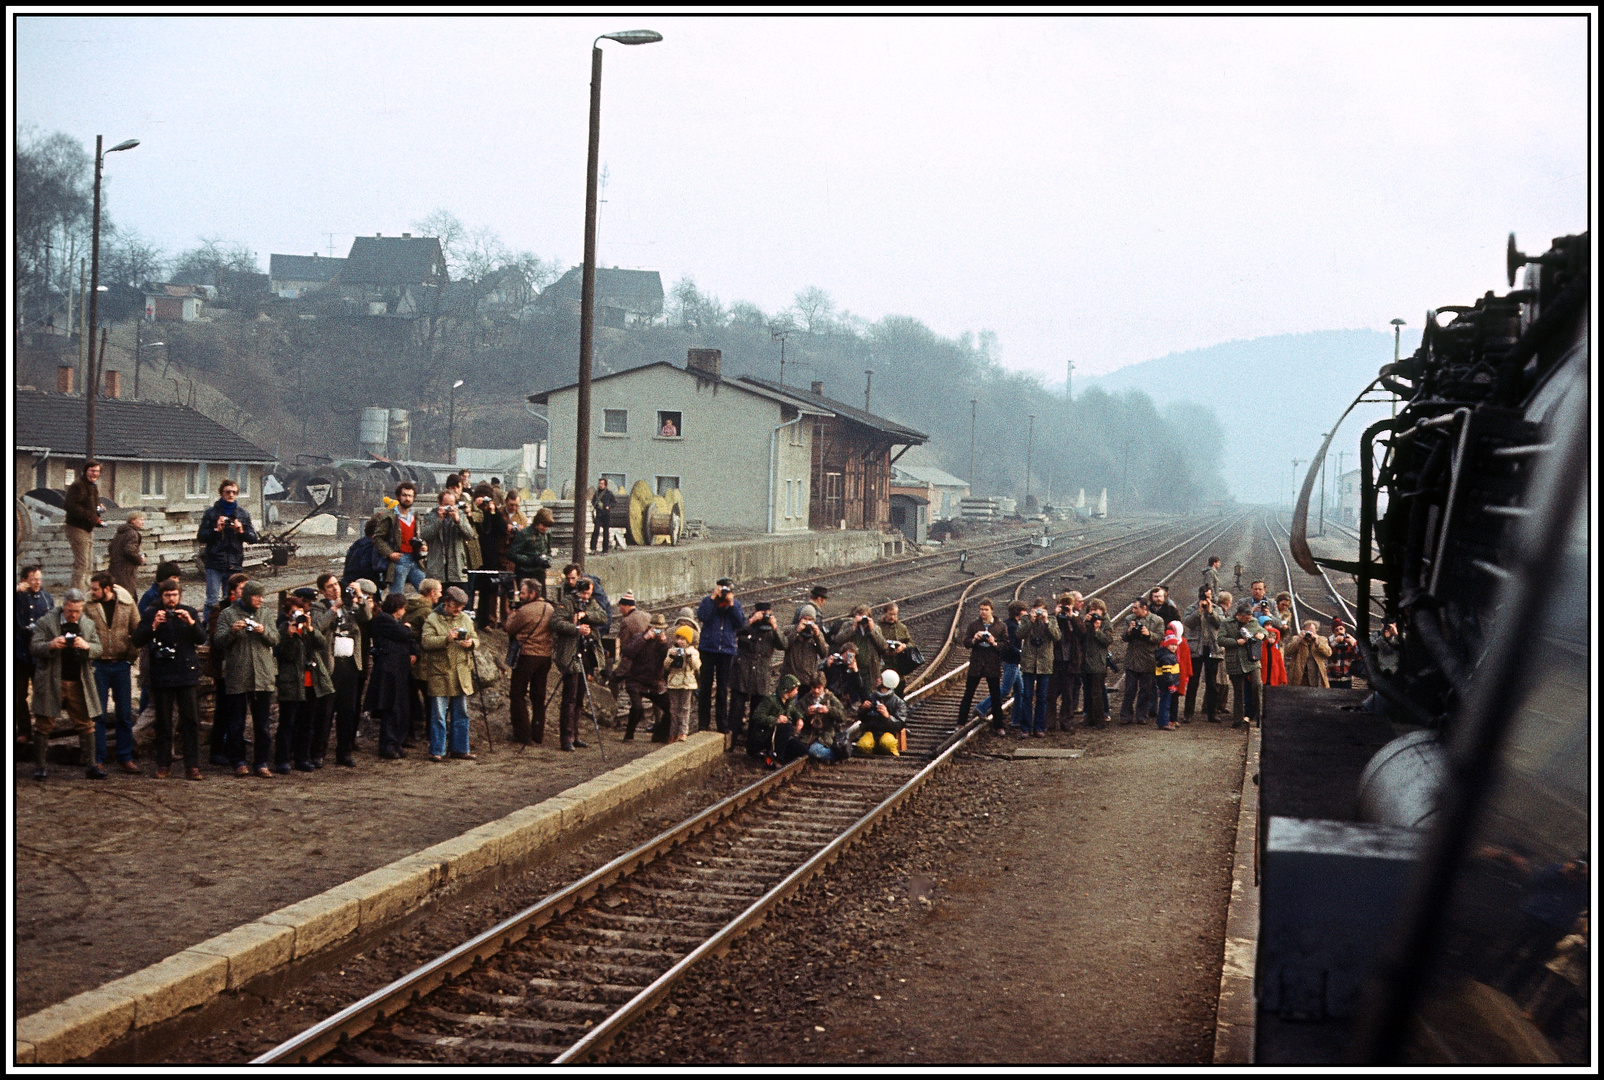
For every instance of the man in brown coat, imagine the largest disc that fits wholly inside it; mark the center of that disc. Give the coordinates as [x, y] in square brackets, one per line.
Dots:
[1306, 657]
[530, 626]
[83, 517]
[126, 558]
[632, 623]
[111, 608]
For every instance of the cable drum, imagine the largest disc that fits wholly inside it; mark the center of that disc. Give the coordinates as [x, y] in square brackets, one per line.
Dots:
[1402, 783]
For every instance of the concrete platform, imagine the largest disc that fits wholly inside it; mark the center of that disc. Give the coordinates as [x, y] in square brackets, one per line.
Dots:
[659, 573]
[201, 974]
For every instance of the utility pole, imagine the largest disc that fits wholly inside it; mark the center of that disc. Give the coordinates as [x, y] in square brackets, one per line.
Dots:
[867, 383]
[1068, 386]
[1341, 456]
[972, 403]
[83, 322]
[1030, 442]
[1397, 341]
[1324, 466]
[1295, 463]
[782, 335]
[1125, 478]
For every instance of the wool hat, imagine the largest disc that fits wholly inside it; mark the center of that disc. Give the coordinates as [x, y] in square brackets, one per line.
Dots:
[628, 598]
[807, 611]
[1173, 635]
[787, 682]
[253, 588]
[658, 622]
[455, 593]
[686, 617]
[684, 633]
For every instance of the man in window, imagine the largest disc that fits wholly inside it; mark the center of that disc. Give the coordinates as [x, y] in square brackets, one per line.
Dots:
[669, 430]
[601, 505]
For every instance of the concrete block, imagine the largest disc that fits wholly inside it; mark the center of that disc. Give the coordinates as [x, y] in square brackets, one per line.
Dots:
[319, 920]
[393, 890]
[79, 1026]
[170, 986]
[251, 950]
[463, 856]
[530, 829]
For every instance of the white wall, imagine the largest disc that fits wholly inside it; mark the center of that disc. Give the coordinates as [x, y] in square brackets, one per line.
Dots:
[722, 457]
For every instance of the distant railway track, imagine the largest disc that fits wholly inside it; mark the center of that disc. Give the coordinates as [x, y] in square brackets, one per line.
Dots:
[558, 981]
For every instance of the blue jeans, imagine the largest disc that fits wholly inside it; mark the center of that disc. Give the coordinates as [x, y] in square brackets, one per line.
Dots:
[113, 678]
[457, 704]
[408, 571]
[1166, 705]
[1010, 682]
[1030, 708]
[216, 584]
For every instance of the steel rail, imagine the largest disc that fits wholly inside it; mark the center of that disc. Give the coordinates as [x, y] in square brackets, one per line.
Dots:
[1331, 588]
[326, 1035]
[401, 993]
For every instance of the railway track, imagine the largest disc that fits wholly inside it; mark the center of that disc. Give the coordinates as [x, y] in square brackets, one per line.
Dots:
[557, 981]
[1332, 592]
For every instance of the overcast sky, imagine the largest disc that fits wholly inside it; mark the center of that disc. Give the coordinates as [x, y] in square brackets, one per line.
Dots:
[1102, 189]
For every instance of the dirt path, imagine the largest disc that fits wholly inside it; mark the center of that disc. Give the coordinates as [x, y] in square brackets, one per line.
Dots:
[1019, 911]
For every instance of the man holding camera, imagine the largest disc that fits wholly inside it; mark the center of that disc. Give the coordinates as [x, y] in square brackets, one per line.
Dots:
[250, 675]
[1306, 657]
[1038, 638]
[1344, 652]
[173, 631]
[1064, 686]
[985, 638]
[397, 541]
[755, 644]
[444, 532]
[1202, 634]
[632, 623]
[225, 529]
[645, 654]
[1243, 641]
[531, 548]
[817, 599]
[530, 626]
[871, 644]
[722, 618]
[448, 641]
[63, 647]
[1096, 637]
[1143, 631]
[342, 616]
[490, 529]
[303, 681]
[111, 608]
[577, 626]
[805, 646]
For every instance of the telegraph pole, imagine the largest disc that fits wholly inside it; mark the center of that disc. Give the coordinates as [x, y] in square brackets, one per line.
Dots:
[1030, 442]
[972, 403]
[1295, 463]
[1068, 387]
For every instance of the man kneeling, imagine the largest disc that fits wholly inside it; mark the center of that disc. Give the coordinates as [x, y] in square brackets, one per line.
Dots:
[883, 718]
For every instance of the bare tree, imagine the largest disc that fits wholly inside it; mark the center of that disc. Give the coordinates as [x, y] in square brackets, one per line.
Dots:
[815, 309]
[130, 259]
[451, 232]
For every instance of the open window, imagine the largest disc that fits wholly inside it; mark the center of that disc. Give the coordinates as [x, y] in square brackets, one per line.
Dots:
[670, 425]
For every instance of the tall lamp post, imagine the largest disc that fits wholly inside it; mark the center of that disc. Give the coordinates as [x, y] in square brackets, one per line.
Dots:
[1030, 442]
[1397, 340]
[1295, 463]
[94, 296]
[451, 425]
[587, 295]
[973, 402]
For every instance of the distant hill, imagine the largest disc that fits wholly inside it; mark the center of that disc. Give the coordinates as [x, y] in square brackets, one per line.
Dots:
[1274, 397]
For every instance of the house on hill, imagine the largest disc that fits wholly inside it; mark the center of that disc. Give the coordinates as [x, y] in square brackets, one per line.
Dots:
[624, 298]
[152, 454]
[395, 276]
[291, 277]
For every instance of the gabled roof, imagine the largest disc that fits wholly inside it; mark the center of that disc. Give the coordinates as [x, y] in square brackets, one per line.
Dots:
[926, 474]
[846, 412]
[128, 430]
[393, 260]
[643, 287]
[782, 396]
[303, 267]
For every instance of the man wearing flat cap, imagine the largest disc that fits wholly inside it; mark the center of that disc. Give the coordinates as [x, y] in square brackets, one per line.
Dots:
[448, 641]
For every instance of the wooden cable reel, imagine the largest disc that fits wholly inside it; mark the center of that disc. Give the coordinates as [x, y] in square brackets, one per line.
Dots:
[655, 519]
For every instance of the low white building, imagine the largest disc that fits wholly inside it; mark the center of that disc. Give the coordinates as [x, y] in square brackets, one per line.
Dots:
[740, 453]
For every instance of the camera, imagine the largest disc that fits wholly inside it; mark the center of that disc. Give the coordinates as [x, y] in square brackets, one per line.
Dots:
[835, 658]
[252, 624]
[69, 636]
[298, 617]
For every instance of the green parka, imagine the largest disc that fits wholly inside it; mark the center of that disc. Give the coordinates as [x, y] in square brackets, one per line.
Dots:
[47, 664]
[447, 663]
[249, 665]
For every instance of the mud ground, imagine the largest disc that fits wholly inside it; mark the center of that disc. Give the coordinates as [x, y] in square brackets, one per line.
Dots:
[1017, 911]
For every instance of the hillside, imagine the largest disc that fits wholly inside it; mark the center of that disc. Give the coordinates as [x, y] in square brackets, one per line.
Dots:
[1274, 396]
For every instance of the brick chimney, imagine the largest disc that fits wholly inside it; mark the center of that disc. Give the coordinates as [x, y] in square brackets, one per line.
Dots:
[64, 376]
[706, 362]
[818, 387]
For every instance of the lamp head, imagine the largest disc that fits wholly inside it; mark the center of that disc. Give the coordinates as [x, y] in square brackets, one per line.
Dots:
[458, 383]
[1399, 322]
[127, 144]
[634, 37]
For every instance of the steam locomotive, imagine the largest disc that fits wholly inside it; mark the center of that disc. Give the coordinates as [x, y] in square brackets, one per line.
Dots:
[1457, 934]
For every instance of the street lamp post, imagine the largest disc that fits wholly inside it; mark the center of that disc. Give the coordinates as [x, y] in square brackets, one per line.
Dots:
[587, 295]
[94, 296]
[972, 403]
[451, 425]
[1397, 340]
[1295, 463]
[1324, 465]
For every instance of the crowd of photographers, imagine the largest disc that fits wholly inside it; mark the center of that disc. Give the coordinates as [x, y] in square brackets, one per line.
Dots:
[361, 643]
